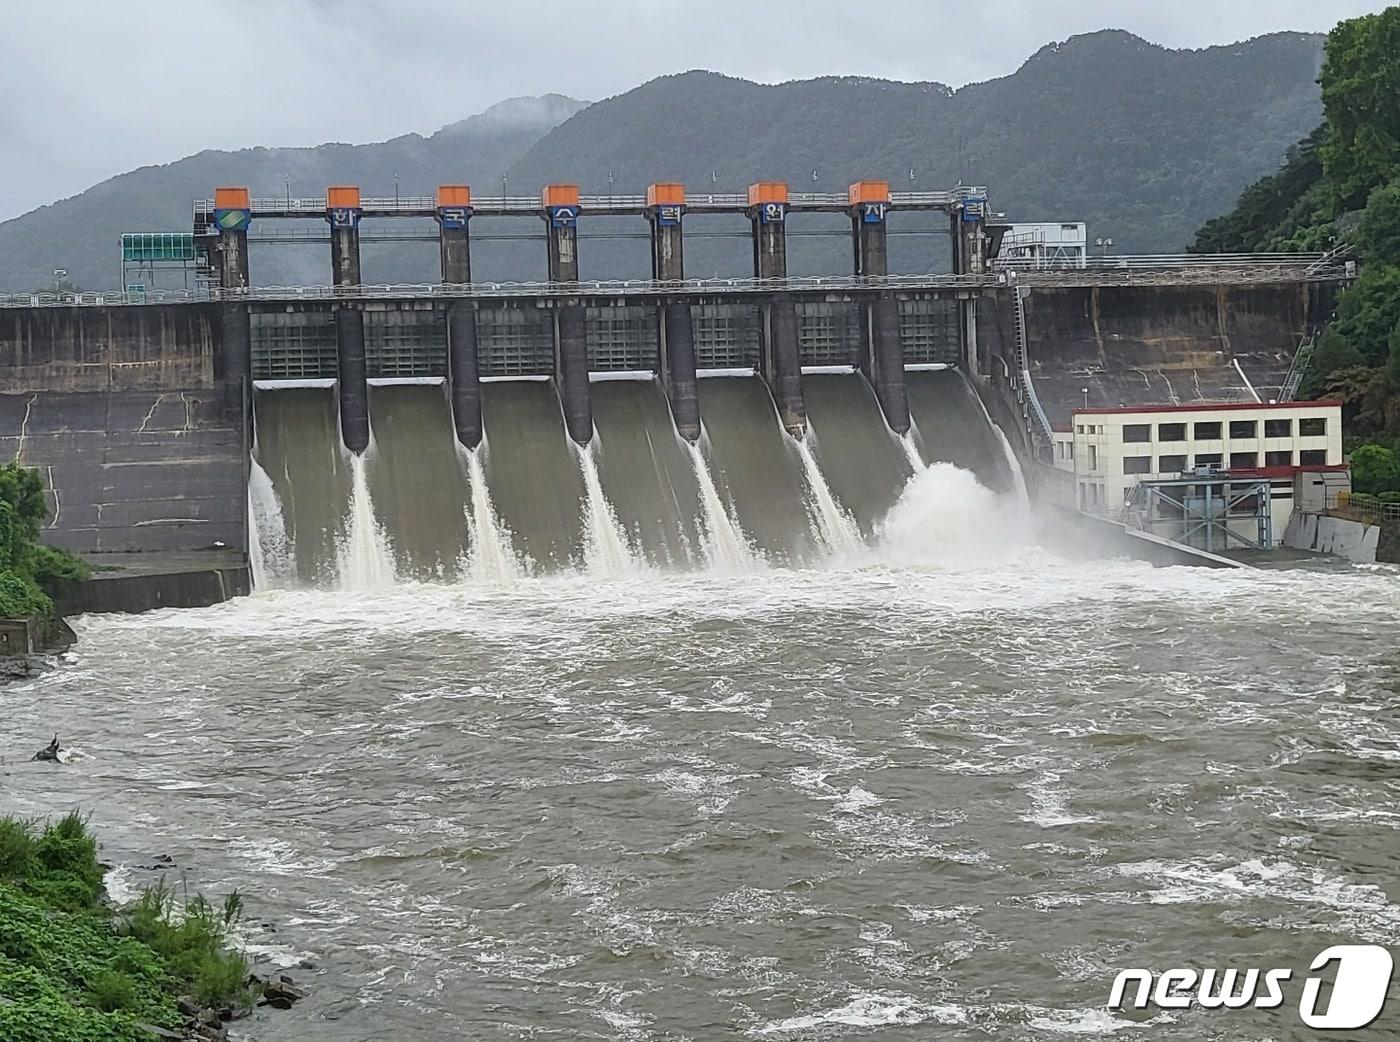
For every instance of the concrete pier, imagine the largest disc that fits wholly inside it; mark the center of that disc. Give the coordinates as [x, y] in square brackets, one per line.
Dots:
[779, 362]
[464, 375]
[233, 214]
[343, 214]
[882, 348]
[571, 370]
[561, 209]
[454, 211]
[675, 330]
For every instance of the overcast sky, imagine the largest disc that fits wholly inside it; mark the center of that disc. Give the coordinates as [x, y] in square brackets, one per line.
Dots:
[90, 88]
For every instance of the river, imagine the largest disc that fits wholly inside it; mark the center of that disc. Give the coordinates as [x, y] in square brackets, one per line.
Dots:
[944, 791]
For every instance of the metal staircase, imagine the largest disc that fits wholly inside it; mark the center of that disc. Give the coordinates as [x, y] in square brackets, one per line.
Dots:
[1036, 421]
[1302, 358]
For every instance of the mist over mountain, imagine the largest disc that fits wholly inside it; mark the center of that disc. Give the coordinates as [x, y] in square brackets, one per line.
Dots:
[1143, 142]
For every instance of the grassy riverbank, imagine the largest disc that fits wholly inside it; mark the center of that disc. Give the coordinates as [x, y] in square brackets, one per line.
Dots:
[74, 970]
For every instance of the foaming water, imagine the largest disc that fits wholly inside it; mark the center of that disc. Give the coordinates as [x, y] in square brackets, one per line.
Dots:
[725, 548]
[945, 516]
[269, 548]
[491, 556]
[836, 530]
[365, 561]
[606, 554]
[903, 801]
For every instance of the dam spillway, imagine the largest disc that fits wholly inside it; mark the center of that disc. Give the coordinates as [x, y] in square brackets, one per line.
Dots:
[419, 484]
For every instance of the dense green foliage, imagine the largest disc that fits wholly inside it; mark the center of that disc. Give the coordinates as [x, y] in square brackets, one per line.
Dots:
[1342, 185]
[30, 573]
[1141, 141]
[72, 971]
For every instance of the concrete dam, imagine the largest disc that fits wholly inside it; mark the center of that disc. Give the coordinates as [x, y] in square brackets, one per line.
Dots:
[478, 429]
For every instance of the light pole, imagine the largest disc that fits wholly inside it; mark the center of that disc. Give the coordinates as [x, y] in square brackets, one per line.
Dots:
[1104, 246]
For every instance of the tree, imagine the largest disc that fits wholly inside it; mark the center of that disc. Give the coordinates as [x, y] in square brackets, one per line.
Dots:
[1378, 232]
[1375, 469]
[1361, 94]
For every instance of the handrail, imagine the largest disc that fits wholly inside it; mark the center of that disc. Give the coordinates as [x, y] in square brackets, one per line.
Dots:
[1023, 362]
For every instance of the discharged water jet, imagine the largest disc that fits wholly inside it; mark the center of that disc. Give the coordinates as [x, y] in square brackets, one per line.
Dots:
[363, 560]
[269, 548]
[836, 529]
[724, 544]
[606, 554]
[491, 556]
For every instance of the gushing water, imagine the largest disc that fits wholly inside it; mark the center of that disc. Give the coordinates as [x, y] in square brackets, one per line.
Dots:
[606, 554]
[269, 548]
[911, 451]
[491, 556]
[836, 529]
[946, 517]
[725, 548]
[363, 557]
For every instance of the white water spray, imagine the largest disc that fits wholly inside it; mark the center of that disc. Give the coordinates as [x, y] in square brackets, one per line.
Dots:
[606, 554]
[725, 547]
[946, 517]
[836, 529]
[491, 554]
[269, 548]
[363, 558]
[911, 451]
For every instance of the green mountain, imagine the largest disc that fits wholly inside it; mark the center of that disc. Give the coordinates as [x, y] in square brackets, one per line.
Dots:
[1142, 141]
[83, 234]
[1340, 187]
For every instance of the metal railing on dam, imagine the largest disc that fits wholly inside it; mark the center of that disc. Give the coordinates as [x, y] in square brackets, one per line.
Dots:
[1184, 270]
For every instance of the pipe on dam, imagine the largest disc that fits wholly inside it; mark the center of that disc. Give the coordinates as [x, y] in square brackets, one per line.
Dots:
[351, 378]
[464, 373]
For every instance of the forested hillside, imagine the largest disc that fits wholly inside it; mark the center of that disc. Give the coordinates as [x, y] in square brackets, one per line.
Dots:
[1340, 186]
[1141, 141]
[82, 234]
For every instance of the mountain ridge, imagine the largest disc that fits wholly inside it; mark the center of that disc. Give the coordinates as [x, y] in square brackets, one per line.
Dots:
[1143, 141]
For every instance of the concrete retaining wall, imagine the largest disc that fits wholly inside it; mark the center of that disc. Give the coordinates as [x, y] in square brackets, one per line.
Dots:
[135, 418]
[1343, 537]
[1134, 345]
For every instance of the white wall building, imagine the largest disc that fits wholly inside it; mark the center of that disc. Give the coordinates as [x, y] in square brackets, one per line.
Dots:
[1045, 245]
[1109, 450]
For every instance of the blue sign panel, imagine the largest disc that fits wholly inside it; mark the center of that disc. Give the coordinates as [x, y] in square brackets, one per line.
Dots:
[974, 208]
[233, 220]
[343, 217]
[873, 213]
[563, 216]
[669, 216]
[772, 213]
[454, 216]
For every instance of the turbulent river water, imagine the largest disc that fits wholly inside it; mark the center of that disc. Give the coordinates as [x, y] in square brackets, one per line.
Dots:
[945, 787]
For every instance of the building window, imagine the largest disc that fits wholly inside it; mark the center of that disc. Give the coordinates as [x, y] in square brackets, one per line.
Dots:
[1079, 429]
[1137, 464]
[1244, 428]
[1207, 432]
[1312, 457]
[1137, 432]
[1279, 458]
[1171, 432]
[1312, 427]
[1093, 457]
[1207, 459]
[1244, 460]
[1278, 428]
[1171, 464]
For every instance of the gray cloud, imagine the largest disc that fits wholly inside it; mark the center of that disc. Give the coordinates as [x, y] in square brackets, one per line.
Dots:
[91, 88]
